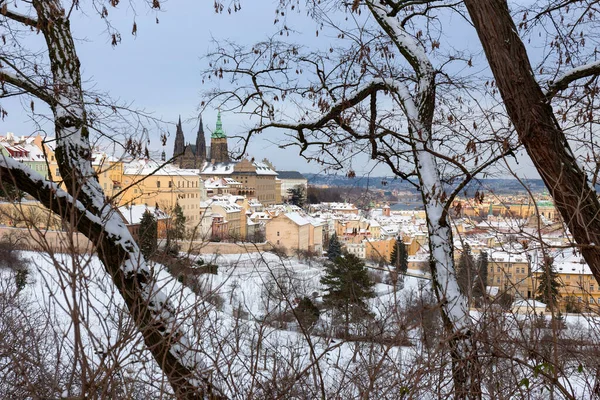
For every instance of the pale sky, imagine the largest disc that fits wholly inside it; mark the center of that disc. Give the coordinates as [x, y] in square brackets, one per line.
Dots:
[159, 70]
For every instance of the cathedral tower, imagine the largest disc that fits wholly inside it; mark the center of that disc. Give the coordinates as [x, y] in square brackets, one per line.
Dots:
[179, 147]
[200, 145]
[218, 143]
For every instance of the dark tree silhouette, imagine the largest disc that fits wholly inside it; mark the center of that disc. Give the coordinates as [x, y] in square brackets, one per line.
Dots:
[297, 196]
[399, 257]
[148, 236]
[348, 286]
[479, 287]
[335, 248]
[548, 286]
[467, 272]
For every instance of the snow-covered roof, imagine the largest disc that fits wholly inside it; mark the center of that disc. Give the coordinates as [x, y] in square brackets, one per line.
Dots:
[227, 168]
[133, 214]
[297, 218]
[147, 167]
[24, 151]
[568, 262]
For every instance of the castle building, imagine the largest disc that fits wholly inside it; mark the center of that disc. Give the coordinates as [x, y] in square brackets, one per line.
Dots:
[189, 156]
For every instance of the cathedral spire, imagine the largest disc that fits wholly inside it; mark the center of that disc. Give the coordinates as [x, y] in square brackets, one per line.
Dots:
[179, 147]
[218, 132]
[200, 144]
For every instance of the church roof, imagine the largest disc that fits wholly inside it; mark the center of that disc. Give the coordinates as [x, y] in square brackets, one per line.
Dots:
[218, 133]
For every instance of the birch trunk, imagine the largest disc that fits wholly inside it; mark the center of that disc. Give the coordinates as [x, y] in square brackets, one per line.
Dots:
[85, 203]
[419, 107]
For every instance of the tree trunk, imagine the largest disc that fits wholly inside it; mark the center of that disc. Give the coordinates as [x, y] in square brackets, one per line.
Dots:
[537, 127]
[87, 209]
[466, 371]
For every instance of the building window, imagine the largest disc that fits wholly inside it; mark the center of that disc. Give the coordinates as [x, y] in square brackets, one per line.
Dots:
[277, 233]
[157, 184]
[57, 172]
[591, 287]
[170, 184]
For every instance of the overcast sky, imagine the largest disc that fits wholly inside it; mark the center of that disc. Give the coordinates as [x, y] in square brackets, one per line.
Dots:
[159, 70]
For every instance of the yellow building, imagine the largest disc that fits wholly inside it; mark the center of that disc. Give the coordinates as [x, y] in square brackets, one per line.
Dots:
[510, 273]
[233, 215]
[294, 231]
[147, 182]
[579, 290]
[379, 249]
[110, 173]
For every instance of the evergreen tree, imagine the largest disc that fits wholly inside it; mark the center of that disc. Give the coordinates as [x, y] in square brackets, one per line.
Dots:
[335, 248]
[399, 257]
[297, 196]
[547, 290]
[348, 286]
[482, 274]
[21, 275]
[148, 236]
[467, 272]
[307, 313]
[178, 231]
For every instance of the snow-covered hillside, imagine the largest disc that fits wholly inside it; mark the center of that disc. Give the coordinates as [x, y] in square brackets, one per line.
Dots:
[236, 322]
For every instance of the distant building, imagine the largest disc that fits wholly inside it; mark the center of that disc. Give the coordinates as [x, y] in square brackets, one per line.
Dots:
[147, 182]
[190, 156]
[289, 180]
[28, 151]
[294, 231]
[257, 179]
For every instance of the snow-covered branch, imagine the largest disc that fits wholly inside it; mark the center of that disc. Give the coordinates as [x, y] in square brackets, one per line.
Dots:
[15, 16]
[26, 85]
[563, 82]
[409, 46]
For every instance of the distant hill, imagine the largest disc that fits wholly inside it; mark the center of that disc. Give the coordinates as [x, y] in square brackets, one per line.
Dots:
[496, 185]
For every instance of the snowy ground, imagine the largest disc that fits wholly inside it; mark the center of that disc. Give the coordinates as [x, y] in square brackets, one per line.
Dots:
[226, 324]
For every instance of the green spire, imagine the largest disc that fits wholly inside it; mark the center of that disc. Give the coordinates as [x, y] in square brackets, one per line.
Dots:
[218, 132]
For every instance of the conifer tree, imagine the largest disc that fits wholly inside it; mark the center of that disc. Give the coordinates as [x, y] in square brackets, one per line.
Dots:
[548, 287]
[399, 257]
[335, 248]
[148, 236]
[178, 222]
[467, 272]
[348, 286]
[307, 313]
[297, 196]
[482, 274]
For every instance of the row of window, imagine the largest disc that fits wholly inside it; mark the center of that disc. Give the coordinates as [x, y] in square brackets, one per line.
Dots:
[519, 270]
[180, 183]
